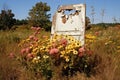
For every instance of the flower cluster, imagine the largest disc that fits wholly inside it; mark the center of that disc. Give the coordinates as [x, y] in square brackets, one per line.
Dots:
[90, 38]
[65, 46]
[40, 53]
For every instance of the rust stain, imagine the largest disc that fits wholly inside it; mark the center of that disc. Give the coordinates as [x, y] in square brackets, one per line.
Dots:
[66, 7]
[76, 13]
[64, 19]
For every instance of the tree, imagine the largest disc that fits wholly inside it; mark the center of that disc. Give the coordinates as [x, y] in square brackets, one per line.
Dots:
[87, 23]
[21, 22]
[6, 19]
[38, 15]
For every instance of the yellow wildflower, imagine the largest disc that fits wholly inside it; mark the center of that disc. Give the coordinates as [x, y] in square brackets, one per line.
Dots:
[67, 58]
[60, 47]
[35, 60]
[89, 36]
[35, 50]
[66, 36]
[62, 52]
[75, 52]
[45, 56]
[70, 38]
[77, 44]
[61, 55]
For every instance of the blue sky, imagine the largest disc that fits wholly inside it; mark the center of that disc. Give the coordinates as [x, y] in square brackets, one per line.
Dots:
[111, 7]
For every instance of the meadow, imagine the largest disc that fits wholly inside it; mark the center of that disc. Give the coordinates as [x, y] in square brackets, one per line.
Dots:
[105, 55]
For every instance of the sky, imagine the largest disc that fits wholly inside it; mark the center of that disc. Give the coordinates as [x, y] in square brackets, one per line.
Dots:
[111, 8]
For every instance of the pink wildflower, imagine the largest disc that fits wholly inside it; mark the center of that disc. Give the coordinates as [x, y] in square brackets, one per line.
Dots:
[89, 52]
[31, 37]
[11, 55]
[28, 50]
[54, 51]
[29, 56]
[81, 51]
[80, 54]
[37, 32]
[23, 51]
[96, 33]
[63, 41]
[35, 38]
[38, 28]
[33, 28]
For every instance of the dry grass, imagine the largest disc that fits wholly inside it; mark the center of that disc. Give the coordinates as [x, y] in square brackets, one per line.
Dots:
[108, 67]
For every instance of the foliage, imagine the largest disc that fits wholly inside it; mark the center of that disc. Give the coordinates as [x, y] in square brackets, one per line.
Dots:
[104, 60]
[40, 56]
[106, 25]
[87, 21]
[21, 22]
[38, 15]
[6, 19]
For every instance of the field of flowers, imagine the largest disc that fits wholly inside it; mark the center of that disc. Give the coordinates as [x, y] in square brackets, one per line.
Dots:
[30, 54]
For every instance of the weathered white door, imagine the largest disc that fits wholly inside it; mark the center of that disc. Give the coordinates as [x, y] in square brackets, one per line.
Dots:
[70, 20]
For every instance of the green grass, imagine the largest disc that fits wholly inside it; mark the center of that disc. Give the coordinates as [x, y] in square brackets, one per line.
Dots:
[105, 46]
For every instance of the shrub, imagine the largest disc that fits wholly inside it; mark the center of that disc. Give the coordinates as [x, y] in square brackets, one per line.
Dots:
[42, 55]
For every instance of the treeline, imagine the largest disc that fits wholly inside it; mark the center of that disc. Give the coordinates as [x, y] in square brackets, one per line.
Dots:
[7, 19]
[38, 17]
[107, 24]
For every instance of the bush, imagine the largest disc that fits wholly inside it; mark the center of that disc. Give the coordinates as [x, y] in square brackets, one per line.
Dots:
[41, 55]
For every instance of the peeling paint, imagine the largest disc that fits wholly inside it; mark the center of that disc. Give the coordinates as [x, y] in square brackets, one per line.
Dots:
[70, 20]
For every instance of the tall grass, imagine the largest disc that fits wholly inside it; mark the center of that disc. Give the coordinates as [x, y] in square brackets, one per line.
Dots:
[10, 69]
[106, 48]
